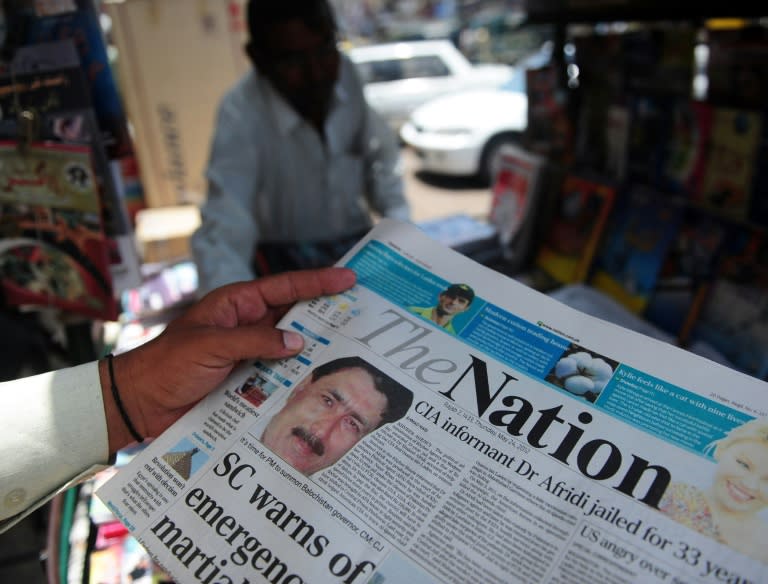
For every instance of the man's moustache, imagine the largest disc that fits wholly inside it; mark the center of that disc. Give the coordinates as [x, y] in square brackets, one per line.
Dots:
[315, 443]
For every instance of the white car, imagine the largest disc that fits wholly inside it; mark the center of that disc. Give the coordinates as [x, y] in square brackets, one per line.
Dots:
[462, 134]
[399, 77]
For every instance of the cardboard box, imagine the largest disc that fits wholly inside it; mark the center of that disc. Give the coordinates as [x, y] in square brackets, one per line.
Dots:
[163, 234]
[176, 59]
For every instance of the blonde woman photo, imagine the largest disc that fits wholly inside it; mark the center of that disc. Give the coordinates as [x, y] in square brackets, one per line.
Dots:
[728, 510]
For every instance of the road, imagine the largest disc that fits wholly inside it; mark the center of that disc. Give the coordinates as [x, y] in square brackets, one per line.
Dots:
[434, 196]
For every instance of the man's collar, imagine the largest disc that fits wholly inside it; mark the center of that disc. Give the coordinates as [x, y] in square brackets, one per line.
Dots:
[286, 117]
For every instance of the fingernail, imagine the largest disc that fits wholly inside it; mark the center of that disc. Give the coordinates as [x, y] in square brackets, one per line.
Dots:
[292, 340]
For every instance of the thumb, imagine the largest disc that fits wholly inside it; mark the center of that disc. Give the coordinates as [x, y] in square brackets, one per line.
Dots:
[257, 341]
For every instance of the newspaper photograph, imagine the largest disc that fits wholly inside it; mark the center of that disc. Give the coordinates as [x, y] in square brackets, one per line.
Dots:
[445, 423]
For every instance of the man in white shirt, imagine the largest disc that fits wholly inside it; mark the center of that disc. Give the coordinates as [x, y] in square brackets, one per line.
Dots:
[61, 427]
[299, 161]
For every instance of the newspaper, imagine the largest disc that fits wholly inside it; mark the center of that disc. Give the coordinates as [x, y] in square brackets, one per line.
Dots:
[522, 441]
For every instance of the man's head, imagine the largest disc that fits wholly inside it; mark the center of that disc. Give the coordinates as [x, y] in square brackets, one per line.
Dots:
[454, 300]
[293, 44]
[331, 410]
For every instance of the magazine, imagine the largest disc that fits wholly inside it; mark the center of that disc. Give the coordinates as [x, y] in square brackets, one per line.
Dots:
[519, 193]
[733, 315]
[686, 274]
[732, 162]
[641, 231]
[525, 442]
[568, 249]
[47, 78]
[52, 245]
[685, 157]
[80, 20]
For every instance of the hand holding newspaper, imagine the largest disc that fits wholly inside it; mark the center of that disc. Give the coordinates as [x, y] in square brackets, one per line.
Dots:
[447, 424]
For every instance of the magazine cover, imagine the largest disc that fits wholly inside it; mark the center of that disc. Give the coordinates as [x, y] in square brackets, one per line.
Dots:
[734, 317]
[687, 148]
[686, 273]
[81, 22]
[635, 247]
[53, 250]
[47, 78]
[574, 233]
[516, 202]
[732, 161]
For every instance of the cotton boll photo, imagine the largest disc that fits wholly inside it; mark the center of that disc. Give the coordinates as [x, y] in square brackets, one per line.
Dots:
[601, 369]
[579, 384]
[582, 373]
[566, 367]
[583, 359]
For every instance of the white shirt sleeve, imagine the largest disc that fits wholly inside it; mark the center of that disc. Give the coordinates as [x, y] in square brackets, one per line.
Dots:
[385, 188]
[54, 434]
[223, 246]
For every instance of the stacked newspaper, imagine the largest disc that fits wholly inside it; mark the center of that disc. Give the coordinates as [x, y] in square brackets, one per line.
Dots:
[445, 423]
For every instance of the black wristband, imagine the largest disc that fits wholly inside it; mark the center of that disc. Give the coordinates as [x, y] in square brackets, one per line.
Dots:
[119, 402]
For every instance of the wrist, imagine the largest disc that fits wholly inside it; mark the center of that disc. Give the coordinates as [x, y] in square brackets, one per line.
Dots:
[122, 428]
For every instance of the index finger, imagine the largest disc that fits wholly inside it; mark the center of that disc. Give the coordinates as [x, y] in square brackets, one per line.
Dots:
[248, 302]
[291, 287]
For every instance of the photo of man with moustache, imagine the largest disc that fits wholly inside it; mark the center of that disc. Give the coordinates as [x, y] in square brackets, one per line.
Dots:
[332, 409]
